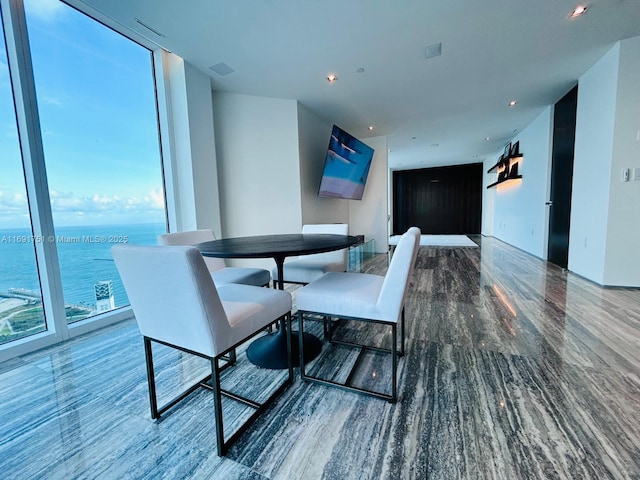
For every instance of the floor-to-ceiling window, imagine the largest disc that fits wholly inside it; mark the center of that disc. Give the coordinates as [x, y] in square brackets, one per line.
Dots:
[21, 312]
[96, 100]
[92, 93]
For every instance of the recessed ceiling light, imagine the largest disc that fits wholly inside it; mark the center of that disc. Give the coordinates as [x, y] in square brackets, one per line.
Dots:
[579, 10]
[360, 70]
[512, 103]
[413, 138]
[435, 144]
[331, 78]
[370, 127]
[487, 138]
[475, 155]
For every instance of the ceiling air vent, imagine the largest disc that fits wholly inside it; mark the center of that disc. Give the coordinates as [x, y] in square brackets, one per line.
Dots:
[433, 50]
[148, 27]
[222, 69]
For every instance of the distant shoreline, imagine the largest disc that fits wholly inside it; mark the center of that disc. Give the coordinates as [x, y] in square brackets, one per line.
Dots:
[29, 297]
[7, 304]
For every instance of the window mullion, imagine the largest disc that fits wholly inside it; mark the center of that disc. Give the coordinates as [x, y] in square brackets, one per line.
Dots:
[19, 58]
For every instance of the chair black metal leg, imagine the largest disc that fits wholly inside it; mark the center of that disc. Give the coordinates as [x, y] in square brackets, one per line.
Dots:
[301, 345]
[212, 382]
[401, 352]
[231, 357]
[346, 385]
[394, 364]
[289, 348]
[151, 379]
[217, 406]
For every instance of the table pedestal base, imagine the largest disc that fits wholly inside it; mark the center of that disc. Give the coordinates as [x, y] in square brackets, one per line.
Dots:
[270, 351]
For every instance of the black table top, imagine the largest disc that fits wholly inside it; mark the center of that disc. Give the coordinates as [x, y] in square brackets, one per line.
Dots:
[283, 245]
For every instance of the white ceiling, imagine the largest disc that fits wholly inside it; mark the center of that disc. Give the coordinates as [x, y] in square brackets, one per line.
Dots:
[434, 111]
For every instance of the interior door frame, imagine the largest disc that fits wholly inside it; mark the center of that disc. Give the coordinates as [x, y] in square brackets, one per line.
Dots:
[549, 202]
[547, 195]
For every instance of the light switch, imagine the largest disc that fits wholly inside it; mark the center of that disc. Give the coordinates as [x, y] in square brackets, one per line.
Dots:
[636, 174]
[625, 174]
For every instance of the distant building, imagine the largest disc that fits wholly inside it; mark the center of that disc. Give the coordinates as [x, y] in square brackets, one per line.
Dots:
[104, 296]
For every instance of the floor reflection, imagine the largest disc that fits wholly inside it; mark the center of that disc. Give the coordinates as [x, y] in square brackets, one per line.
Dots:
[513, 369]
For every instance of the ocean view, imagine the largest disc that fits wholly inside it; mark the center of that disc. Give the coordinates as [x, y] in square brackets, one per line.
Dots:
[84, 256]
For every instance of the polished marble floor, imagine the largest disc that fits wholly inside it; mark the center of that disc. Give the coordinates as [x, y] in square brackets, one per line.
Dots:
[514, 369]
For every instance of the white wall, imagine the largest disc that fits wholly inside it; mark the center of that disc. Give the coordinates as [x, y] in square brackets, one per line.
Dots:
[313, 136]
[203, 149]
[592, 167]
[194, 173]
[622, 261]
[258, 166]
[518, 213]
[368, 216]
[605, 211]
[270, 158]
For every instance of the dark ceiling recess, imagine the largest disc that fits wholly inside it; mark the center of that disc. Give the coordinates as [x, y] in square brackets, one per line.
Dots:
[444, 200]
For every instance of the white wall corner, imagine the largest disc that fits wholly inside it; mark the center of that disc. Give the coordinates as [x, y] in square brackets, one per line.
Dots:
[189, 147]
[595, 123]
[369, 216]
[203, 149]
[183, 208]
[257, 149]
[313, 138]
[622, 264]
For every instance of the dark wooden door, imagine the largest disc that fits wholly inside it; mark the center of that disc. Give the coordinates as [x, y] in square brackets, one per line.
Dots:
[444, 200]
[564, 135]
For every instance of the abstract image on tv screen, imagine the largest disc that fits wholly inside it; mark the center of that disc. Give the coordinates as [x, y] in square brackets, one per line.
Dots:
[346, 166]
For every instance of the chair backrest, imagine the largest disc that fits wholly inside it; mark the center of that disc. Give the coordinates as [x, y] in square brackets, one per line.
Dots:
[338, 256]
[415, 231]
[173, 296]
[191, 238]
[396, 282]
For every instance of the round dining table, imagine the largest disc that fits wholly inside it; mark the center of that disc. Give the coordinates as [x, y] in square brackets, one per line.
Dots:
[270, 351]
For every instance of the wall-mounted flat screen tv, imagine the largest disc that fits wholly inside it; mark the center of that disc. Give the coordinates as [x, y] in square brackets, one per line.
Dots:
[346, 166]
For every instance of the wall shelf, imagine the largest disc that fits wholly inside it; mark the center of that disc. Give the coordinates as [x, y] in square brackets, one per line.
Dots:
[505, 181]
[504, 162]
[507, 166]
[496, 166]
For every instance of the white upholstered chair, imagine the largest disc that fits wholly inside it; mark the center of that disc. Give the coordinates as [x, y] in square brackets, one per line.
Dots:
[364, 297]
[217, 266]
[307, 268]
[177, 304]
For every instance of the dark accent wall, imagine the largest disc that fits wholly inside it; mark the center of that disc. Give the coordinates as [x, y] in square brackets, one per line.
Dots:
[443, 200]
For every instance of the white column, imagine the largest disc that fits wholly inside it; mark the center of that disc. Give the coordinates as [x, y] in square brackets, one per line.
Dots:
[189, 154]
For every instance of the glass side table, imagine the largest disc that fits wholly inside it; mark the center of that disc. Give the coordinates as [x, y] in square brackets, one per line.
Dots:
[360, 253]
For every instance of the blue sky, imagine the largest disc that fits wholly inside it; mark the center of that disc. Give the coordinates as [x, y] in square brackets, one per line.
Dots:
[97, 114]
